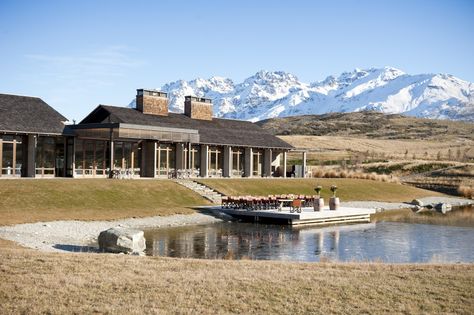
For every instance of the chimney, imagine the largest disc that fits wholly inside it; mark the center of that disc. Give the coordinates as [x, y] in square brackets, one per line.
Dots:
[198, 107]
[152, 102]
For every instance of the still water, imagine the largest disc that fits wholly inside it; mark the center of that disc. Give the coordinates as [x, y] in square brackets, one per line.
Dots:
[385, 241]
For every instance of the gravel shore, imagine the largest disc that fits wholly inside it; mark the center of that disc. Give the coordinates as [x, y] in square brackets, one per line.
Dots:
[79, 236]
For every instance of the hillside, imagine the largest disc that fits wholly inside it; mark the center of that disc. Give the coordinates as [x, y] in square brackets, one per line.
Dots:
[372, 125]
[270, 94]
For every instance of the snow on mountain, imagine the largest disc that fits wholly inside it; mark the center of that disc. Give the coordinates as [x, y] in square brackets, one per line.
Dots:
[280, 94]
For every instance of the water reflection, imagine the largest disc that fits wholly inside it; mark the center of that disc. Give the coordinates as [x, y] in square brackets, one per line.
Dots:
[385, 241]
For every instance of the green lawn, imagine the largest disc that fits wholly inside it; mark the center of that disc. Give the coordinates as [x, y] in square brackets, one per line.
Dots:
[25, 200]
[348, 189]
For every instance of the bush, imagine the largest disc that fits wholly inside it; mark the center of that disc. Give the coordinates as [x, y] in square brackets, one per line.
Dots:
[466, 190]
[321, 173]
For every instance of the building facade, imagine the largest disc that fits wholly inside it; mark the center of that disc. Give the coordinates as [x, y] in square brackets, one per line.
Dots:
[147, 141]
[32, 139]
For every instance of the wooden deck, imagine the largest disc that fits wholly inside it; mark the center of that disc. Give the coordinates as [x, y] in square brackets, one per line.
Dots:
[307, 216]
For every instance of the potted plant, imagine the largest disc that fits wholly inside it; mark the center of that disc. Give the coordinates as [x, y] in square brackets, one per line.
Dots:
[318, 203]
[333, 201]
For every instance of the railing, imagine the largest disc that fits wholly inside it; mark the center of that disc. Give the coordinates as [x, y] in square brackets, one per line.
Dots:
[127, 173]
[10, 171]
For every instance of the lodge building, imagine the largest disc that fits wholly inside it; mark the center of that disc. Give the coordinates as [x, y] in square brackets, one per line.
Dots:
[146, 141]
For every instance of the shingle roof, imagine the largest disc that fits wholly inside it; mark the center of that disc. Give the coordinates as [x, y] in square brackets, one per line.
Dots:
[29, 114]
[216, 131]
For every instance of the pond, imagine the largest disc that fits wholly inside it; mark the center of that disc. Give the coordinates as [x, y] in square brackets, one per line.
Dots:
[392, 242]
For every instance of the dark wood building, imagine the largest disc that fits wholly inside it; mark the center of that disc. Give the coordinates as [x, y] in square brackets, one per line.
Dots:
[149, 141]
[146, 141]
[32, 140]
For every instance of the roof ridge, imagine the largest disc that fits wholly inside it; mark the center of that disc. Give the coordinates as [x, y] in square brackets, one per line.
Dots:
[17, 95]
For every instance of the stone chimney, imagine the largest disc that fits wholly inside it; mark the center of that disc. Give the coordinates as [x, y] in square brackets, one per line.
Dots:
[152, 102]
[198, 107]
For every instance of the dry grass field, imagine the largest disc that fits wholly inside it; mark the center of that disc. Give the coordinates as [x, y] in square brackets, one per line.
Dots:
[24, 200]
[33, 282]
[348, 189]
[335, 147]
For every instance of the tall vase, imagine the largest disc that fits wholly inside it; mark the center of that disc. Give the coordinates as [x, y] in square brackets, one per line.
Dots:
[333, 203]
[318, 204]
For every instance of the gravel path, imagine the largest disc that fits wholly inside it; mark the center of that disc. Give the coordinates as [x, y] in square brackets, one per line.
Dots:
[78, 236]
[382, 206]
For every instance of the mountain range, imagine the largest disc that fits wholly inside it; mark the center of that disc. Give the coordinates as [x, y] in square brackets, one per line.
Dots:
[280, 94]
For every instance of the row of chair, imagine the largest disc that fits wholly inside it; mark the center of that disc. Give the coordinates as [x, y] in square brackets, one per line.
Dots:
[266, 202]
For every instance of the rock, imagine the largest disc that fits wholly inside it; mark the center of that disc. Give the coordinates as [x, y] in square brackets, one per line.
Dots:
[443, 207]
[418, 202]
[418, 208]
[122, 240]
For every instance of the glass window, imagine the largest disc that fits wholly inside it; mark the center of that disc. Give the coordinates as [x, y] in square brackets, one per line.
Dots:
[127, 154]
[79, 155]
[89, 154]
[7, 159]
[196, 156]
[172, 157]
[118, 155]
[45, 151]
[100, 155]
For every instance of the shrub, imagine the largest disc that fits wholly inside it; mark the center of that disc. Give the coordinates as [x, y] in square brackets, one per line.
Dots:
[354, 174]
[466, 190]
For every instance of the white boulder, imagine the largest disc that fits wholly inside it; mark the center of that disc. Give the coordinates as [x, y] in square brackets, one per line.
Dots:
[122, 240]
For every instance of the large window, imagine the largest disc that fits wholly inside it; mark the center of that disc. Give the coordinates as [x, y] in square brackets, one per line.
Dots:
[11, 155]
[93, 156]
[216, 160]
[45, 156]
[165, 159]
[238, 162]
[257, 162]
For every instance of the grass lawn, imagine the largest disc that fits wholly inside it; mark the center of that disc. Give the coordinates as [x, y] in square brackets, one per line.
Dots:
[24, 200]
[348, 189]
[34, 282]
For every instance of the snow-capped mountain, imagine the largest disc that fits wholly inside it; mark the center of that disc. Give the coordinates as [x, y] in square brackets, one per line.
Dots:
[280, 94]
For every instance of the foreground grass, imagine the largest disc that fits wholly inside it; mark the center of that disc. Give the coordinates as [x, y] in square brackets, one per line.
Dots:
[34, 282]
[25, 200]
[349, 189]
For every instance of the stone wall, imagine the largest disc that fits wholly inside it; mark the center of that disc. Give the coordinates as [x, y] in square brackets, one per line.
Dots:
[198, 110]
[153, 105]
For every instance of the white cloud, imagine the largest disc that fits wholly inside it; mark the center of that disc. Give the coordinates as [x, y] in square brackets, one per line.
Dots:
[92, 69]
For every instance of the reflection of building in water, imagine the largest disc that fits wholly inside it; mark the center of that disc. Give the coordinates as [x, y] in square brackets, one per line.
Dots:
[214, 242]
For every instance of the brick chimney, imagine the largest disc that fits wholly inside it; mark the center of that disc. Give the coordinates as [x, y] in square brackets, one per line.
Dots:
[152, 102]
[198, 107]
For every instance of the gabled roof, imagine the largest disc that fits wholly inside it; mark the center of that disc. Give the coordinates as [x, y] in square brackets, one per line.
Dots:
[25, 114]
[216, 131]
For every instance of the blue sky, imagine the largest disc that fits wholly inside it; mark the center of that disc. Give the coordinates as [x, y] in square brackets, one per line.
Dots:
[78, 54]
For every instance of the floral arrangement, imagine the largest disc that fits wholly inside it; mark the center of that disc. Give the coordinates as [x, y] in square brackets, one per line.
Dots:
[334, 189]
[318, 189]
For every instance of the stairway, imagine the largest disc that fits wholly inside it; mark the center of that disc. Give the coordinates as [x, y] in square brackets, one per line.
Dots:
[202, 190]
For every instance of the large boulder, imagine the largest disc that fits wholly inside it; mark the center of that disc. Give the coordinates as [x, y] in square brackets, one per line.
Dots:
[122, 240]
[443, 207]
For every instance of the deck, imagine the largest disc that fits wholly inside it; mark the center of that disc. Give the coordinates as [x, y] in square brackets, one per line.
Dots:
[307, 215]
